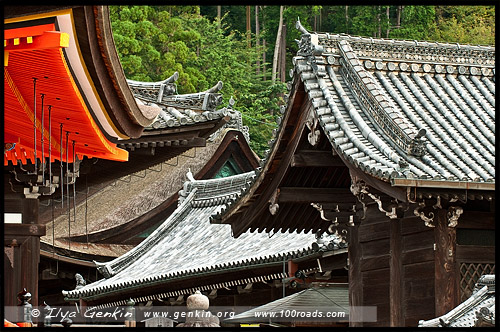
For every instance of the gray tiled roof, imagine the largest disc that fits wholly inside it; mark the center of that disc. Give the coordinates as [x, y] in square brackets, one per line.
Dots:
[406, 112]
[401, 109]
[480, 304]
[177, 110]
[329, 297]
[186, 244]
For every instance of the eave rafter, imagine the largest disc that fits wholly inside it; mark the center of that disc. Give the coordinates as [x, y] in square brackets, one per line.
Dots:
[35, 67]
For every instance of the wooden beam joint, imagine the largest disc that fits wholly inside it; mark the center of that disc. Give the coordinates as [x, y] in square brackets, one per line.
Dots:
[315, 158]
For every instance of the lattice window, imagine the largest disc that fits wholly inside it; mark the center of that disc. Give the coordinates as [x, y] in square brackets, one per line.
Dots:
[469, 274]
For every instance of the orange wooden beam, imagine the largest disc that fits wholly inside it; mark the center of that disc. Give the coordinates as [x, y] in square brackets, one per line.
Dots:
[48, 40]
[30, 31]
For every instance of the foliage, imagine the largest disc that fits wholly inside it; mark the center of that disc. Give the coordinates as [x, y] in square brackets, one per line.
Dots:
[153, 43]
[416, 23]
[465, 24]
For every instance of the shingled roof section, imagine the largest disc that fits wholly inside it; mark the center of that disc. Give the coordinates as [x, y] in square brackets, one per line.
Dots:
[409, 113]
[186, 244]
[477, 310]
[404, 110]
[319, 298]
[177, 110]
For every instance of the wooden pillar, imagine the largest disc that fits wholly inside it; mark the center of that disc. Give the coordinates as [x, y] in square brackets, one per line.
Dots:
[30, 210]
[83, 309]
[396, 274]
[292, 268]
[355, 277]
[12, 271]
[30, 259]
[22, 244]
[446, 285]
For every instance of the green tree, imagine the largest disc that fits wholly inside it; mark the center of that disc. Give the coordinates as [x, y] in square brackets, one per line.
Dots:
[417, 22]
[154, 42]
[465, 24]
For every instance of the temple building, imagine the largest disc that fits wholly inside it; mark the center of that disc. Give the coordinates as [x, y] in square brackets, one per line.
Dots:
[392, 144]
[477, 311]
[74, 125]
[112, 217]
[377, 191]
[66, 99]
[186, 253]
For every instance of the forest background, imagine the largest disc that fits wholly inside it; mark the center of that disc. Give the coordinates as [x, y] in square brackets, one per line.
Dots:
[250, 48]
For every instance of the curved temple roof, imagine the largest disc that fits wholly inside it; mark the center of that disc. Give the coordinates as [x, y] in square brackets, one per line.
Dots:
[477, 310]
[174, 110]
[399, 114]
[186, 244]
[64, 60]
[404, 111]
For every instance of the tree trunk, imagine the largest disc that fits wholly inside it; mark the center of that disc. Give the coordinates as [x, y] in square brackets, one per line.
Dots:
[249, 27]
[283, 54]
[320, 19]
[388, 22]
[264, 59]
[347, 19]
[277, 46]
[257, 42]
[218, 15]
[398, 16]
[379, 23]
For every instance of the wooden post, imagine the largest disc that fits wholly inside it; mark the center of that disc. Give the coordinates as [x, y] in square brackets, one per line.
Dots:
[396, 274]
[83, 309]
[292, 268]
[30, 210]
[446, 288]
[355, 277]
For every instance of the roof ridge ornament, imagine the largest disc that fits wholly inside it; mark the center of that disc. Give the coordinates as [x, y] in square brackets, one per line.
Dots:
[300, 27]
[190, 176]
[309, 42]
[417, 145]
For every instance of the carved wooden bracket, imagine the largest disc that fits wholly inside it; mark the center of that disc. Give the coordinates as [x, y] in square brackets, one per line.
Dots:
[312, 124]
[333, 211]
[319, 207]
[340, 216]
[273, 206]
[245, 290]
[453, 214]
[360, 189]
[9, 252]
[429, 221]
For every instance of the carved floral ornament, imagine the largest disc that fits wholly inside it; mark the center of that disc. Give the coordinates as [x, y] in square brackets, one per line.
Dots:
[424, 210]
[273, 202]
[394, 210]
[452, 214]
